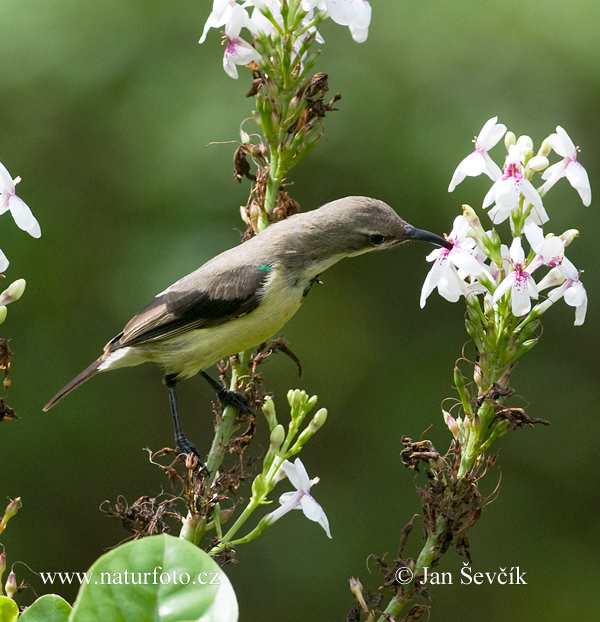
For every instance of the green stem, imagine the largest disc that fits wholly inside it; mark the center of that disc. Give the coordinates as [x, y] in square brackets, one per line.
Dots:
[425, 559]
[226, 426]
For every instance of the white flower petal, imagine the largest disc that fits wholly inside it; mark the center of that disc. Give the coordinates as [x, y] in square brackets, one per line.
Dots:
[449, 286]
[6, 181]
[578, 178]
[433, 276]
[297, 475]
[23, 216]
[503, 287]
[313, 511]
[465, 261]
[517, 255]
[576, 294]
[531, 194]
[3, 261]
[290, 499]
[490, 134]
[471, 166]
[520, 299]
[561, 143]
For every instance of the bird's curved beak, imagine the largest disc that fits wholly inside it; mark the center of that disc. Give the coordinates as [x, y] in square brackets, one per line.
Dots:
[412, 233]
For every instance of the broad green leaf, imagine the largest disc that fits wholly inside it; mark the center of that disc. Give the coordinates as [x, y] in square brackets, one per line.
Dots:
[47, 608]
[8, 609]
[156, 579]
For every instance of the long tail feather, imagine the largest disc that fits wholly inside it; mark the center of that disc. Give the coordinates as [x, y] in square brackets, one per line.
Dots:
[86, 374]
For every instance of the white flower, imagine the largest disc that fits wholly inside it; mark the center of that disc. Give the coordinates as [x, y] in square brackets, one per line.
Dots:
[572, 289]
[234, 17]
[569, 167]
[443, 274]
[301, 499]
[551, 249]
[479, 161]
[229, 14]
[356, 14]
[507, 190]
[238, 52]
[519, 282]
[21, 213]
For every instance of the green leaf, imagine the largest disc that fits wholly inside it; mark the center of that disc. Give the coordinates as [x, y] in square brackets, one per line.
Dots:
[47, 608]
[8, 609]
[156, 579]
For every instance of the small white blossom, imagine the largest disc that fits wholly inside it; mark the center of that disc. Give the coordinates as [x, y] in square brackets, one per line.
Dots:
[301, 499]
[479, 161]
[569, 167]
[519, 282]
[229, 14]
[238, 52]
[570, 287]
[233, 17]
[21, 213]
[444, 273]
[356, 14]
[507, 190]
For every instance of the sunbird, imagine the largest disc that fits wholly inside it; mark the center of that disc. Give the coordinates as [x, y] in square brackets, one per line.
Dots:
[240, 298]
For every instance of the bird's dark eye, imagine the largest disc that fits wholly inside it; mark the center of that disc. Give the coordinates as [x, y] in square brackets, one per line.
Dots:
[377, 239]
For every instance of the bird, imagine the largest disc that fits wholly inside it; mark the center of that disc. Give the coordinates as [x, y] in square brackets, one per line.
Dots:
[240, 298]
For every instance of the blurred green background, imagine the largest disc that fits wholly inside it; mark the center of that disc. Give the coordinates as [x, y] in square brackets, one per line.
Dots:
[107, 110]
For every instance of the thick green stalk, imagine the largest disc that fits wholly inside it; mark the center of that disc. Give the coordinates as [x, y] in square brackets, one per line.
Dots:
[425, 559]
[226, 426]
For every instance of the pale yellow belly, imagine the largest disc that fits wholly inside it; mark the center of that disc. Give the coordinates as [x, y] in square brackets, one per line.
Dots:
[191, 352]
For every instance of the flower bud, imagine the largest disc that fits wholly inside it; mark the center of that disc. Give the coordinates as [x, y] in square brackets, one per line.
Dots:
[470, 214]
[311, 403]
[525, 144]
[538, 163]
[244, 214]
[245, 137]
[268, 409]
[259, 486]
[294, 397]
[2, 564]
[552, 279]
[509, 139]
[317, 422]
[11, 584]
[357, 589]
[276, 439]
[192, 525]
[319, 419]
[13, 292]
[451, 423]
[569, 235]
[545, 149]
[11, 509]
[3, 312]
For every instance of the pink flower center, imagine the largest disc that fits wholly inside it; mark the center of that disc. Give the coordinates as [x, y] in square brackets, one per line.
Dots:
[512, 170]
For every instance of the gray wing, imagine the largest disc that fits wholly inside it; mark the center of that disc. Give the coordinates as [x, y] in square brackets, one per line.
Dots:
[195, 302]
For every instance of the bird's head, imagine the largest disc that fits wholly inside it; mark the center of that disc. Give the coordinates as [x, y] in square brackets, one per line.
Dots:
[356, 225]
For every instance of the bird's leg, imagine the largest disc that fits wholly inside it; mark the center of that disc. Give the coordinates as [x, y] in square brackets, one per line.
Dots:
[225, 396]
[182, 445]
